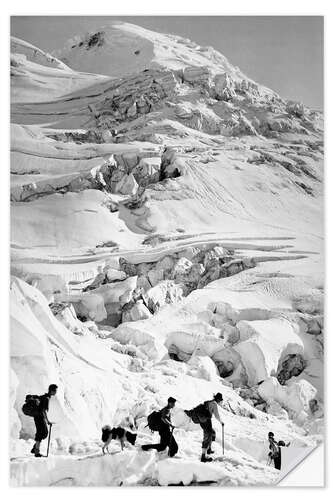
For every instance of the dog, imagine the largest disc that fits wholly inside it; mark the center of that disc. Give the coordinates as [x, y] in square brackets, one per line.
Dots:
[118, 433]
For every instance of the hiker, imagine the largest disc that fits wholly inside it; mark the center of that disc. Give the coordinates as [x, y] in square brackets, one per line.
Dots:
[202, 415]
[160, 421]
[41, 419]
[275, 450]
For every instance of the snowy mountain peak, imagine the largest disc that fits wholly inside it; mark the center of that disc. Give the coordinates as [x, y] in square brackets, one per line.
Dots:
[122, 48]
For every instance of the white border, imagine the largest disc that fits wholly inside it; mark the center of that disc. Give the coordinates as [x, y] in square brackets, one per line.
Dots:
[309, 473]
[143, 7]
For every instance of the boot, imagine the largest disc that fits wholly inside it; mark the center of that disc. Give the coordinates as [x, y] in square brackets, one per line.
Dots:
[205, 459]
[210, 451]
[36, 449]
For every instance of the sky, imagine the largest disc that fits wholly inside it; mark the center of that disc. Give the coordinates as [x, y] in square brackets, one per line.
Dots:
[284, 53]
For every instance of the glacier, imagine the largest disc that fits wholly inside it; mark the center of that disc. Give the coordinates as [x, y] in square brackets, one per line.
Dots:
[166, 240]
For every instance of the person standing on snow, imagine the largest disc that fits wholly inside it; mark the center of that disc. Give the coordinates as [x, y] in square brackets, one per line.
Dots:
[275, 450]
[161, 422]
[202, 415]
[41, 419]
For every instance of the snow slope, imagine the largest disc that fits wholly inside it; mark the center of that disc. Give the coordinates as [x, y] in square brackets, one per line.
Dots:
[166, 240]
[39, 76]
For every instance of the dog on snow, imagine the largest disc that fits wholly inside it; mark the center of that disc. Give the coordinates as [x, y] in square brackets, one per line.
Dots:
[118, 433]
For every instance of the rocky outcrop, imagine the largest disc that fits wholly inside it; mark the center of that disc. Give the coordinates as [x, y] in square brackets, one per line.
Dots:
[291, 366]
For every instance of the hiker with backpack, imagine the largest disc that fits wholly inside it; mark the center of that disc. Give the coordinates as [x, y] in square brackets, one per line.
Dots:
[202, 415]
[37, 407]
[160, 421]
[275, 450]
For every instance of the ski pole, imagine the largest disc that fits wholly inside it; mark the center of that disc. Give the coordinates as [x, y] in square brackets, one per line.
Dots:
[223, 438]
[48, 442]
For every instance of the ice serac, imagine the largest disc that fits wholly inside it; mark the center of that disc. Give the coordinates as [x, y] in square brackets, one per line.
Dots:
[295, 396]
[43, 350]
[129, 333]
[263, 345]
[99, 385]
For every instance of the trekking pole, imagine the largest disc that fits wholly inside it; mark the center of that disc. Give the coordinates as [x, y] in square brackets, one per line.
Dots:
[48, 442]
[223, 438]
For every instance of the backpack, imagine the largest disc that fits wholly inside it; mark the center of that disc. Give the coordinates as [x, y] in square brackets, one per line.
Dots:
[131, 438]
[200, 413]
[154, 420]
[275, 450]
[31, 405]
